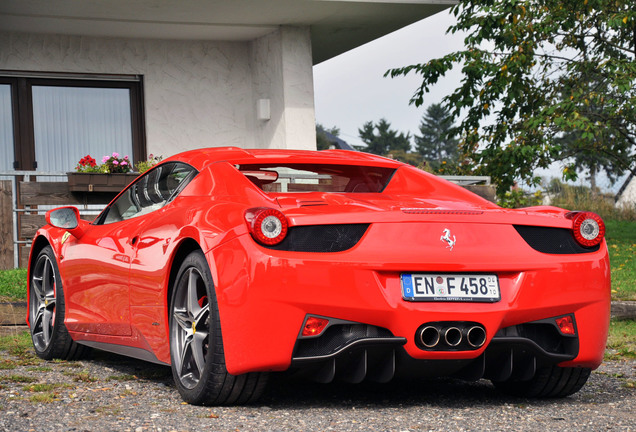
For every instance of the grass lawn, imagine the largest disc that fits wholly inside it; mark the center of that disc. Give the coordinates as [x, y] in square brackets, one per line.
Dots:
[621, 242]
[621, 341]
[13, 285]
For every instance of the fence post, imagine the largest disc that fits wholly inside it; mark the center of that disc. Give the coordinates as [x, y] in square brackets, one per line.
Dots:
[6, 225]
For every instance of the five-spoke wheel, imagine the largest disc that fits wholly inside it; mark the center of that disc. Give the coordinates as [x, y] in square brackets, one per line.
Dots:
[42, 302]
[190, 329]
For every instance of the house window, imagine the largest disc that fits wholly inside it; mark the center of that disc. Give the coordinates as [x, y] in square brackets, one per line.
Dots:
[6, 128]
[49, 124]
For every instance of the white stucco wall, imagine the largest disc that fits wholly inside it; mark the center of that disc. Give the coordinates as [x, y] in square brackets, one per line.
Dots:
[282, 70]
[197, 93]
[628, 197]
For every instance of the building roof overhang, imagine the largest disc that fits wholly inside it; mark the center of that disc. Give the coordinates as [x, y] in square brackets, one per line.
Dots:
[336, 25]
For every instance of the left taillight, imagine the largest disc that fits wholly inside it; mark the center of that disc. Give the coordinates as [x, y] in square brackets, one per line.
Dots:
[266, 225]
[588, 228]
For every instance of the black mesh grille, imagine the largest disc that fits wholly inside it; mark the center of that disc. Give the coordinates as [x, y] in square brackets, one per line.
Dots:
[552, 240]
[322, 238]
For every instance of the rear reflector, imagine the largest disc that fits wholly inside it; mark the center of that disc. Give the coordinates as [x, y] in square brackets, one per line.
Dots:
[314, 326]
[566, 325]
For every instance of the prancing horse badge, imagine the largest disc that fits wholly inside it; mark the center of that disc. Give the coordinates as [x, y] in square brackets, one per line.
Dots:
[446, 236]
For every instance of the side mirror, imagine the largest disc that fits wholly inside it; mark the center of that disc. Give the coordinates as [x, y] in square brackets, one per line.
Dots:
[67, 218]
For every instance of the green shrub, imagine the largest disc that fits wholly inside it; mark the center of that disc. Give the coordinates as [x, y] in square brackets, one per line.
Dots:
[583, 198]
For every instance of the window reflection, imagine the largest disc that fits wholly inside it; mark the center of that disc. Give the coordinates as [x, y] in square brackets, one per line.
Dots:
[149, 193]
[6, 129]
[71, 122]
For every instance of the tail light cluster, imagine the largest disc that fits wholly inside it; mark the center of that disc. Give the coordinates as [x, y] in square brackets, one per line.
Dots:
[588, 228]
[268, 226]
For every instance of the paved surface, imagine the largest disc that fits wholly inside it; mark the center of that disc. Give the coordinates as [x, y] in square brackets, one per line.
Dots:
[111, 393]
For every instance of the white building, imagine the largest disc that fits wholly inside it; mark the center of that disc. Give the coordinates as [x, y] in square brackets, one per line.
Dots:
[157, 76]
[626, 196]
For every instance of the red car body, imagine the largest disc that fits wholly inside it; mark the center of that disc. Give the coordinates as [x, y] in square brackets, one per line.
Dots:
[117, 277]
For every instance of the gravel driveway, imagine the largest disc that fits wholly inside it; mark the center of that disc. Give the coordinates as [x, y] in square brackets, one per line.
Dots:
[112, 393]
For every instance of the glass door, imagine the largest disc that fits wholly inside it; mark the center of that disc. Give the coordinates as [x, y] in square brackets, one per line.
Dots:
[71, 122]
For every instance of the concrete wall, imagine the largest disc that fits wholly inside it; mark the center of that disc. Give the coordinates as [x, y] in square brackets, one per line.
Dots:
[282, 71]
[628, 197]
[197, 93]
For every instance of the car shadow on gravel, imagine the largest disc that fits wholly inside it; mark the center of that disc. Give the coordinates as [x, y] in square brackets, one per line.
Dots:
[441, 392]
[284, 391]
[121, 366]
[287, 392]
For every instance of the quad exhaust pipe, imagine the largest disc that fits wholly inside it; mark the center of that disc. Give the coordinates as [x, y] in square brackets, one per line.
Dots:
[454, 336]
[476, 336]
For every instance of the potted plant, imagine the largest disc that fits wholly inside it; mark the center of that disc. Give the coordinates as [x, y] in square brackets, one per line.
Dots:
[112, 175]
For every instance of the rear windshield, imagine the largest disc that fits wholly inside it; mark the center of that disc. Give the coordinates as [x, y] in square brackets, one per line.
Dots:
[317, 178]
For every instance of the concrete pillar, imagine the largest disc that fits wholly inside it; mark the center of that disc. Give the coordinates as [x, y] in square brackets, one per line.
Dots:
[282, 77]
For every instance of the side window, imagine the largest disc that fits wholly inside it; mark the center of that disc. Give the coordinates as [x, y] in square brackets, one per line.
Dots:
[149, 193]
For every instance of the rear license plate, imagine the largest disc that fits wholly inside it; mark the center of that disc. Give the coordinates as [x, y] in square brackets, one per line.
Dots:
[450, 287]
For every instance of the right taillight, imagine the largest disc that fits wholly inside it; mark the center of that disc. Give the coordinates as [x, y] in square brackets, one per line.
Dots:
[268, 226]
[588, 228]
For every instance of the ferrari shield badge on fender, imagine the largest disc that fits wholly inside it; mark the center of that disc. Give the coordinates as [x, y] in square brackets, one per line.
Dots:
[446, 236]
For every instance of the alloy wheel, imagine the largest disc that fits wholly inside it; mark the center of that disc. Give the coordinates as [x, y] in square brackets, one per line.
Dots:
[190, 334]
[42, 302]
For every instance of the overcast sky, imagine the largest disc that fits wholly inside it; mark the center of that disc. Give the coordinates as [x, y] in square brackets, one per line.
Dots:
[350, 89]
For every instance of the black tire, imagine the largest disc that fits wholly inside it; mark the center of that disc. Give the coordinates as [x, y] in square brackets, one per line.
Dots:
[196, 343]
[47, 309]
[548, 382]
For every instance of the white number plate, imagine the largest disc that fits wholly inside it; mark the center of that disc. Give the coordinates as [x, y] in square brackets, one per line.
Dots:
[450, 287]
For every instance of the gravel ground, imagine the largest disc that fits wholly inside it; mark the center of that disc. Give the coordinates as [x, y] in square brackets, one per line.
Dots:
[112, 393]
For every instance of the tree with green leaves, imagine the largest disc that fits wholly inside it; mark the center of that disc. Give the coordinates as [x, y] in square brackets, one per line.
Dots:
[527, 71]
[437, 144]
[584, 158]
[323, 141]
[381, 139]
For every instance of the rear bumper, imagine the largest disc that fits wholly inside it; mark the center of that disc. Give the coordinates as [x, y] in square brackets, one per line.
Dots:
[264, 297]
[354, 352]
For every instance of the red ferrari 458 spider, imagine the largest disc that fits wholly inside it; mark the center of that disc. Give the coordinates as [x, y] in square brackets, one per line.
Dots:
[228, 264]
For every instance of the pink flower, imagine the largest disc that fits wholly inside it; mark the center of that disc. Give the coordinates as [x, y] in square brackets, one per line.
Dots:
[115, 154]
[115, 162]
[123, 163]
[105, 159]
[126, 157]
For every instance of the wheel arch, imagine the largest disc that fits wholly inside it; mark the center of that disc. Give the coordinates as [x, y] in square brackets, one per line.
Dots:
[39, 243]
[180, 253]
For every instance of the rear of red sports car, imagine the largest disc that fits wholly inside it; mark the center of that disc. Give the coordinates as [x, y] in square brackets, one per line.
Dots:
[392, 272]
[333, 265]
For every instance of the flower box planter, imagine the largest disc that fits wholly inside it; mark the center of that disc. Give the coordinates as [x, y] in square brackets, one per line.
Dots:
[97, 182]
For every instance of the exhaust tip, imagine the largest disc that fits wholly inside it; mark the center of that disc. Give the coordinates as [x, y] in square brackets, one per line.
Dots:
[453, 336]
[476, 336]
[429, 336]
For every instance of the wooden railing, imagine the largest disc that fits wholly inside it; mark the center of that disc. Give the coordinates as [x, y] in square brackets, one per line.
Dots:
[22, 207]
